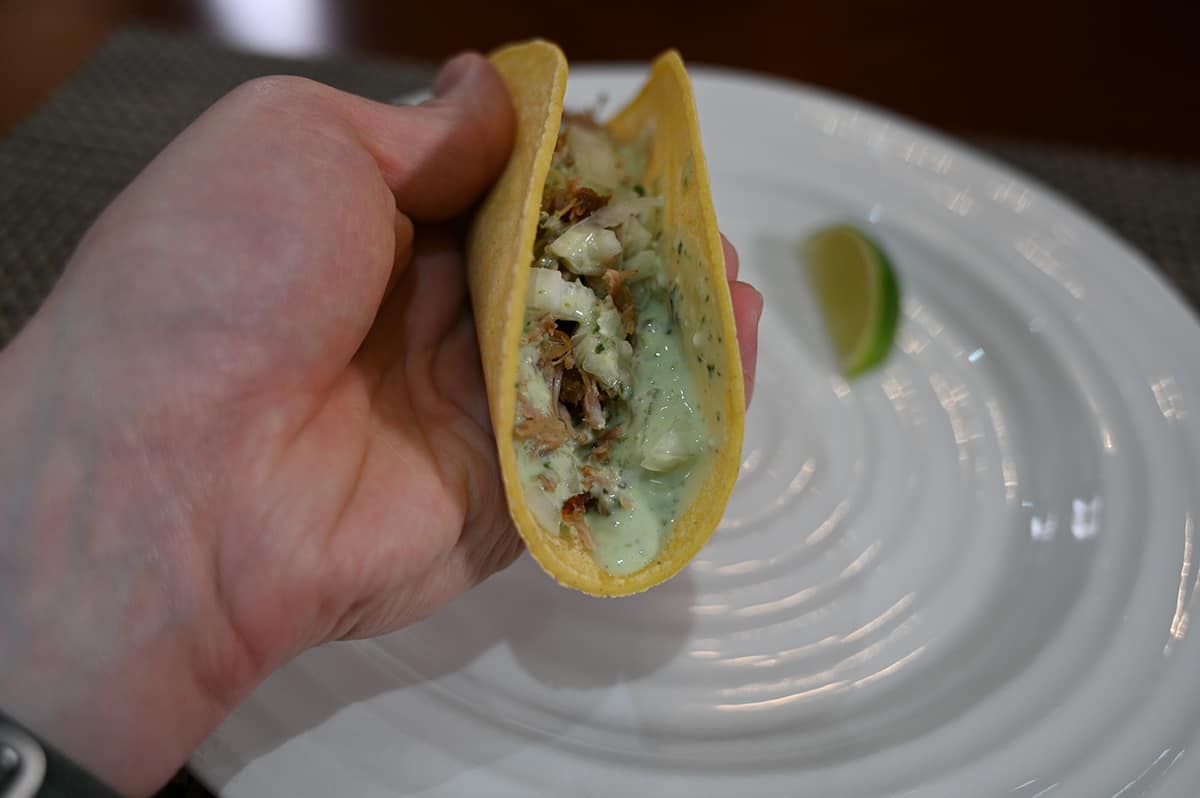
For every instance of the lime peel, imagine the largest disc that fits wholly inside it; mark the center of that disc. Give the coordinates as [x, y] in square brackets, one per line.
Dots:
[858, 294]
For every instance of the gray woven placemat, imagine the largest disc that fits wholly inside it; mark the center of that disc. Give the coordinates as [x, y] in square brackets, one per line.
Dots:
[1154, 205]
[63, 165]
[59, 168]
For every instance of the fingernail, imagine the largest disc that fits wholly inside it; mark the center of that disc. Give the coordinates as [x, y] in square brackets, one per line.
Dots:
[456, 73]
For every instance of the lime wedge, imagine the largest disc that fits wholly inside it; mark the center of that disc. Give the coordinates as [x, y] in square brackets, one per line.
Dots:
[858, 294]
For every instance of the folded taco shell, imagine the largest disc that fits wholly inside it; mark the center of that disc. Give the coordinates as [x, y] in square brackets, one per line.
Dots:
[500, 250]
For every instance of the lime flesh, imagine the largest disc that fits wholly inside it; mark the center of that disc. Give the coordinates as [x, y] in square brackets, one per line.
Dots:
[858, 295]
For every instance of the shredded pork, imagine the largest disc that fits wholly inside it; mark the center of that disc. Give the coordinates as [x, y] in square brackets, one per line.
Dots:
[603, 448]
[580, 409]
[547, 432]
[545, 326]
[614, 284]
[573, 511]
[572, 391]
[573, 202]
[593, 410]
[556, 349]
[597, 477]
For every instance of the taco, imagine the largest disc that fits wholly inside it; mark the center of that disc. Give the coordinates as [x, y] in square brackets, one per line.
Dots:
[606, 330]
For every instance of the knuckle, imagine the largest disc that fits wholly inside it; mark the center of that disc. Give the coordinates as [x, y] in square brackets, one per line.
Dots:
[274, 91]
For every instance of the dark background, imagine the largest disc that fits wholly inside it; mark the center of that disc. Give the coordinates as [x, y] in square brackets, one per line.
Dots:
[1119, 77]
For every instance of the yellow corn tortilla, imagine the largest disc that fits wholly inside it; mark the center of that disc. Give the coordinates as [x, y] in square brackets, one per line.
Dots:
[499, 255]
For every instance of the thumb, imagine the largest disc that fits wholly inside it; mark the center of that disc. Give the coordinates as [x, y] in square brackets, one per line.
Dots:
[438, 157]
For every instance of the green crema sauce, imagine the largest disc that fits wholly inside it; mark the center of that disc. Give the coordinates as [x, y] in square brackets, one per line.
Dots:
[599, 221]
[666, 433]
[655, 458]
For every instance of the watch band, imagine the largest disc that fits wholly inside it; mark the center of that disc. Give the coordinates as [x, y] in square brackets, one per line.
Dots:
[30, 767]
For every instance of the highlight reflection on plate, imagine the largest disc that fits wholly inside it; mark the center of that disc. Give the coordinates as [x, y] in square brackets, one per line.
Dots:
[968, 573]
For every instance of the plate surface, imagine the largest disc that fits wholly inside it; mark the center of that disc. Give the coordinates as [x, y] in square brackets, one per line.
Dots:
[969, 573]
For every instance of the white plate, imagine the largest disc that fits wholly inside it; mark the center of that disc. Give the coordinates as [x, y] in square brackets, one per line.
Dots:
[968, 574]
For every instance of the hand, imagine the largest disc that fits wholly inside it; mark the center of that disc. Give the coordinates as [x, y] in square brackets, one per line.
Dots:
[251, 418]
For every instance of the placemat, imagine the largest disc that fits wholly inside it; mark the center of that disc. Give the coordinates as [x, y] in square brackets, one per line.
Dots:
[60, 167]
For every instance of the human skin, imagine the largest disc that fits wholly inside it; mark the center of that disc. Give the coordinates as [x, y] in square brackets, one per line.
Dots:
[250, 418]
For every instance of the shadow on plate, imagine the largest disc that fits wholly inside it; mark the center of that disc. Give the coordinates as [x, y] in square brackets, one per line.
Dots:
[518, 653]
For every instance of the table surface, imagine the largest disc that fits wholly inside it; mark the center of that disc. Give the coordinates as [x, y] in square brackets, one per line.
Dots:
[1115, 76]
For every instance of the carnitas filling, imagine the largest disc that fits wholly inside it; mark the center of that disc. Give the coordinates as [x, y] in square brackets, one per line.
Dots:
[606, 429]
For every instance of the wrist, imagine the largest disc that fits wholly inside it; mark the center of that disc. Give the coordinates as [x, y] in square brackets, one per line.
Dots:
[117, 649]
[31, 766]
